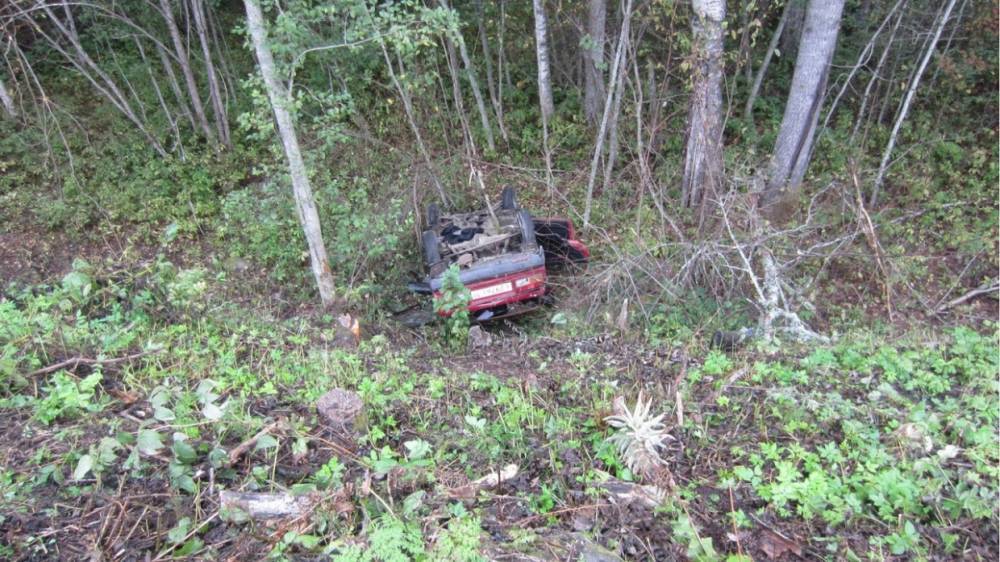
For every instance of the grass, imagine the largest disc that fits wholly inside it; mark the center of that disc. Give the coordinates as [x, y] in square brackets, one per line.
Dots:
[865, 449]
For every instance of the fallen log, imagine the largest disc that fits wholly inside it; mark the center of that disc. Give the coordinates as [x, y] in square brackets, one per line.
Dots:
[264, 506]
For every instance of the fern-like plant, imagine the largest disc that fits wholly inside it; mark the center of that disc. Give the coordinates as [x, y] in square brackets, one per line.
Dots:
[639, 437]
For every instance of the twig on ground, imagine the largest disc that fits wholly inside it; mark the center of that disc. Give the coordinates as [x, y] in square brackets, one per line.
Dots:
[242, 448]
[73, 363]
[984, 289]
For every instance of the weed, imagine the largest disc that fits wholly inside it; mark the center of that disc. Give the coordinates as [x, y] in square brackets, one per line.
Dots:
[453, 302]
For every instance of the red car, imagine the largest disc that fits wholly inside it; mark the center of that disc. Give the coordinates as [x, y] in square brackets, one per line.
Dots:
[502, 253]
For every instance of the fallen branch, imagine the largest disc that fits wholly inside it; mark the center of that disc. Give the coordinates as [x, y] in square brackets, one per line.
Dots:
[983, 289]
[73, 363]
[243, 447]
[491, 480]
[865, 221]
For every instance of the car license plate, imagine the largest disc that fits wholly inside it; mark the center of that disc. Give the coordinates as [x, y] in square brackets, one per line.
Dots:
[492, 290]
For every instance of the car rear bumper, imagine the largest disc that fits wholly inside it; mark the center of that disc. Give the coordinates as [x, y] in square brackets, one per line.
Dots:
[507, 289]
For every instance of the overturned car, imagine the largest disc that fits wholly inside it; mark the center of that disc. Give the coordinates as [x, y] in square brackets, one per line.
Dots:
[502, 253]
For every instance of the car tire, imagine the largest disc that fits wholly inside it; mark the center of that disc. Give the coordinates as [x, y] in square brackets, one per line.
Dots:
[528, 241]
[433, 216]
[431, 252]
[508, 201]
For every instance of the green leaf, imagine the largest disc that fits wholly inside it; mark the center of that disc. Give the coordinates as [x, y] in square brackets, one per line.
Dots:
[478, 424]
[189, 548]
[180, 530]
[418, 449]
[184, 452]
[149, 442]
[211, 411]
[265, 442]
[206, 391]
[163, 414]
[413, 502]
[83, 467]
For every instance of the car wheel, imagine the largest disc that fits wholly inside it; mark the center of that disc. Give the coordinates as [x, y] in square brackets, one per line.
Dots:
[433, 216]
[431, 252]
[527, 225]
[508, 201]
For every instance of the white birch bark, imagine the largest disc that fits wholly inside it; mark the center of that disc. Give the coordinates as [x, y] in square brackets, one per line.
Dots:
[911, 90]
[617, 67]
[703, 155]
[805, 98]
[182, 58]
[542, 56]
[477, 93]
[7, 100]
[214, 92]
[304, 203]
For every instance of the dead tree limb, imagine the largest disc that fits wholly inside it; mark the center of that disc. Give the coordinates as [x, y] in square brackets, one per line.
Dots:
[984, 289]
[73, 363]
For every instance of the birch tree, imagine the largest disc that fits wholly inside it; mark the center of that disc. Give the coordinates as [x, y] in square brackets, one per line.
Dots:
[703, 156]
[181, 55]
[214, 91]
[593, 60]
[542, 56]
[544, 83]
[908, 99]
[798, 126]
[7, 100]
[473, 83]
[304, 203]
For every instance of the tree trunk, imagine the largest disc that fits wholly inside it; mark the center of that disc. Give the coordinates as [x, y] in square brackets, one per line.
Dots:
[755, 89]
[182, 59]
[214, 92]
[490, 85]
[94, 74]
[805, 98]
[456, 92]
[617, 67]
[175, 86]
[908, 99]
[542, 55]
[477, 93]
[703, 156]
[544, 85]
[876, 74]
[593, 60]
[7, 101]
[793, 28]
[304, 204]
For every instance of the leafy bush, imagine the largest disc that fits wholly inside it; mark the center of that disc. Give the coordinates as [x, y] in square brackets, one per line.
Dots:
[454, 302]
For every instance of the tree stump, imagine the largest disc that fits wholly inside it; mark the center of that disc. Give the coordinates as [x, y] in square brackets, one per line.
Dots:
[342, 410]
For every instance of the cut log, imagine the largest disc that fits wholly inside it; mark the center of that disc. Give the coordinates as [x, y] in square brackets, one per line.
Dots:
[240, 506]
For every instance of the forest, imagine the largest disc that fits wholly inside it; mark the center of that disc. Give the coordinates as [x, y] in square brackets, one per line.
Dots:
[435, 280]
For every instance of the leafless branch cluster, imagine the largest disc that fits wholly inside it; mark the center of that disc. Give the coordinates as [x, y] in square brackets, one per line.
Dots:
[740, 255]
